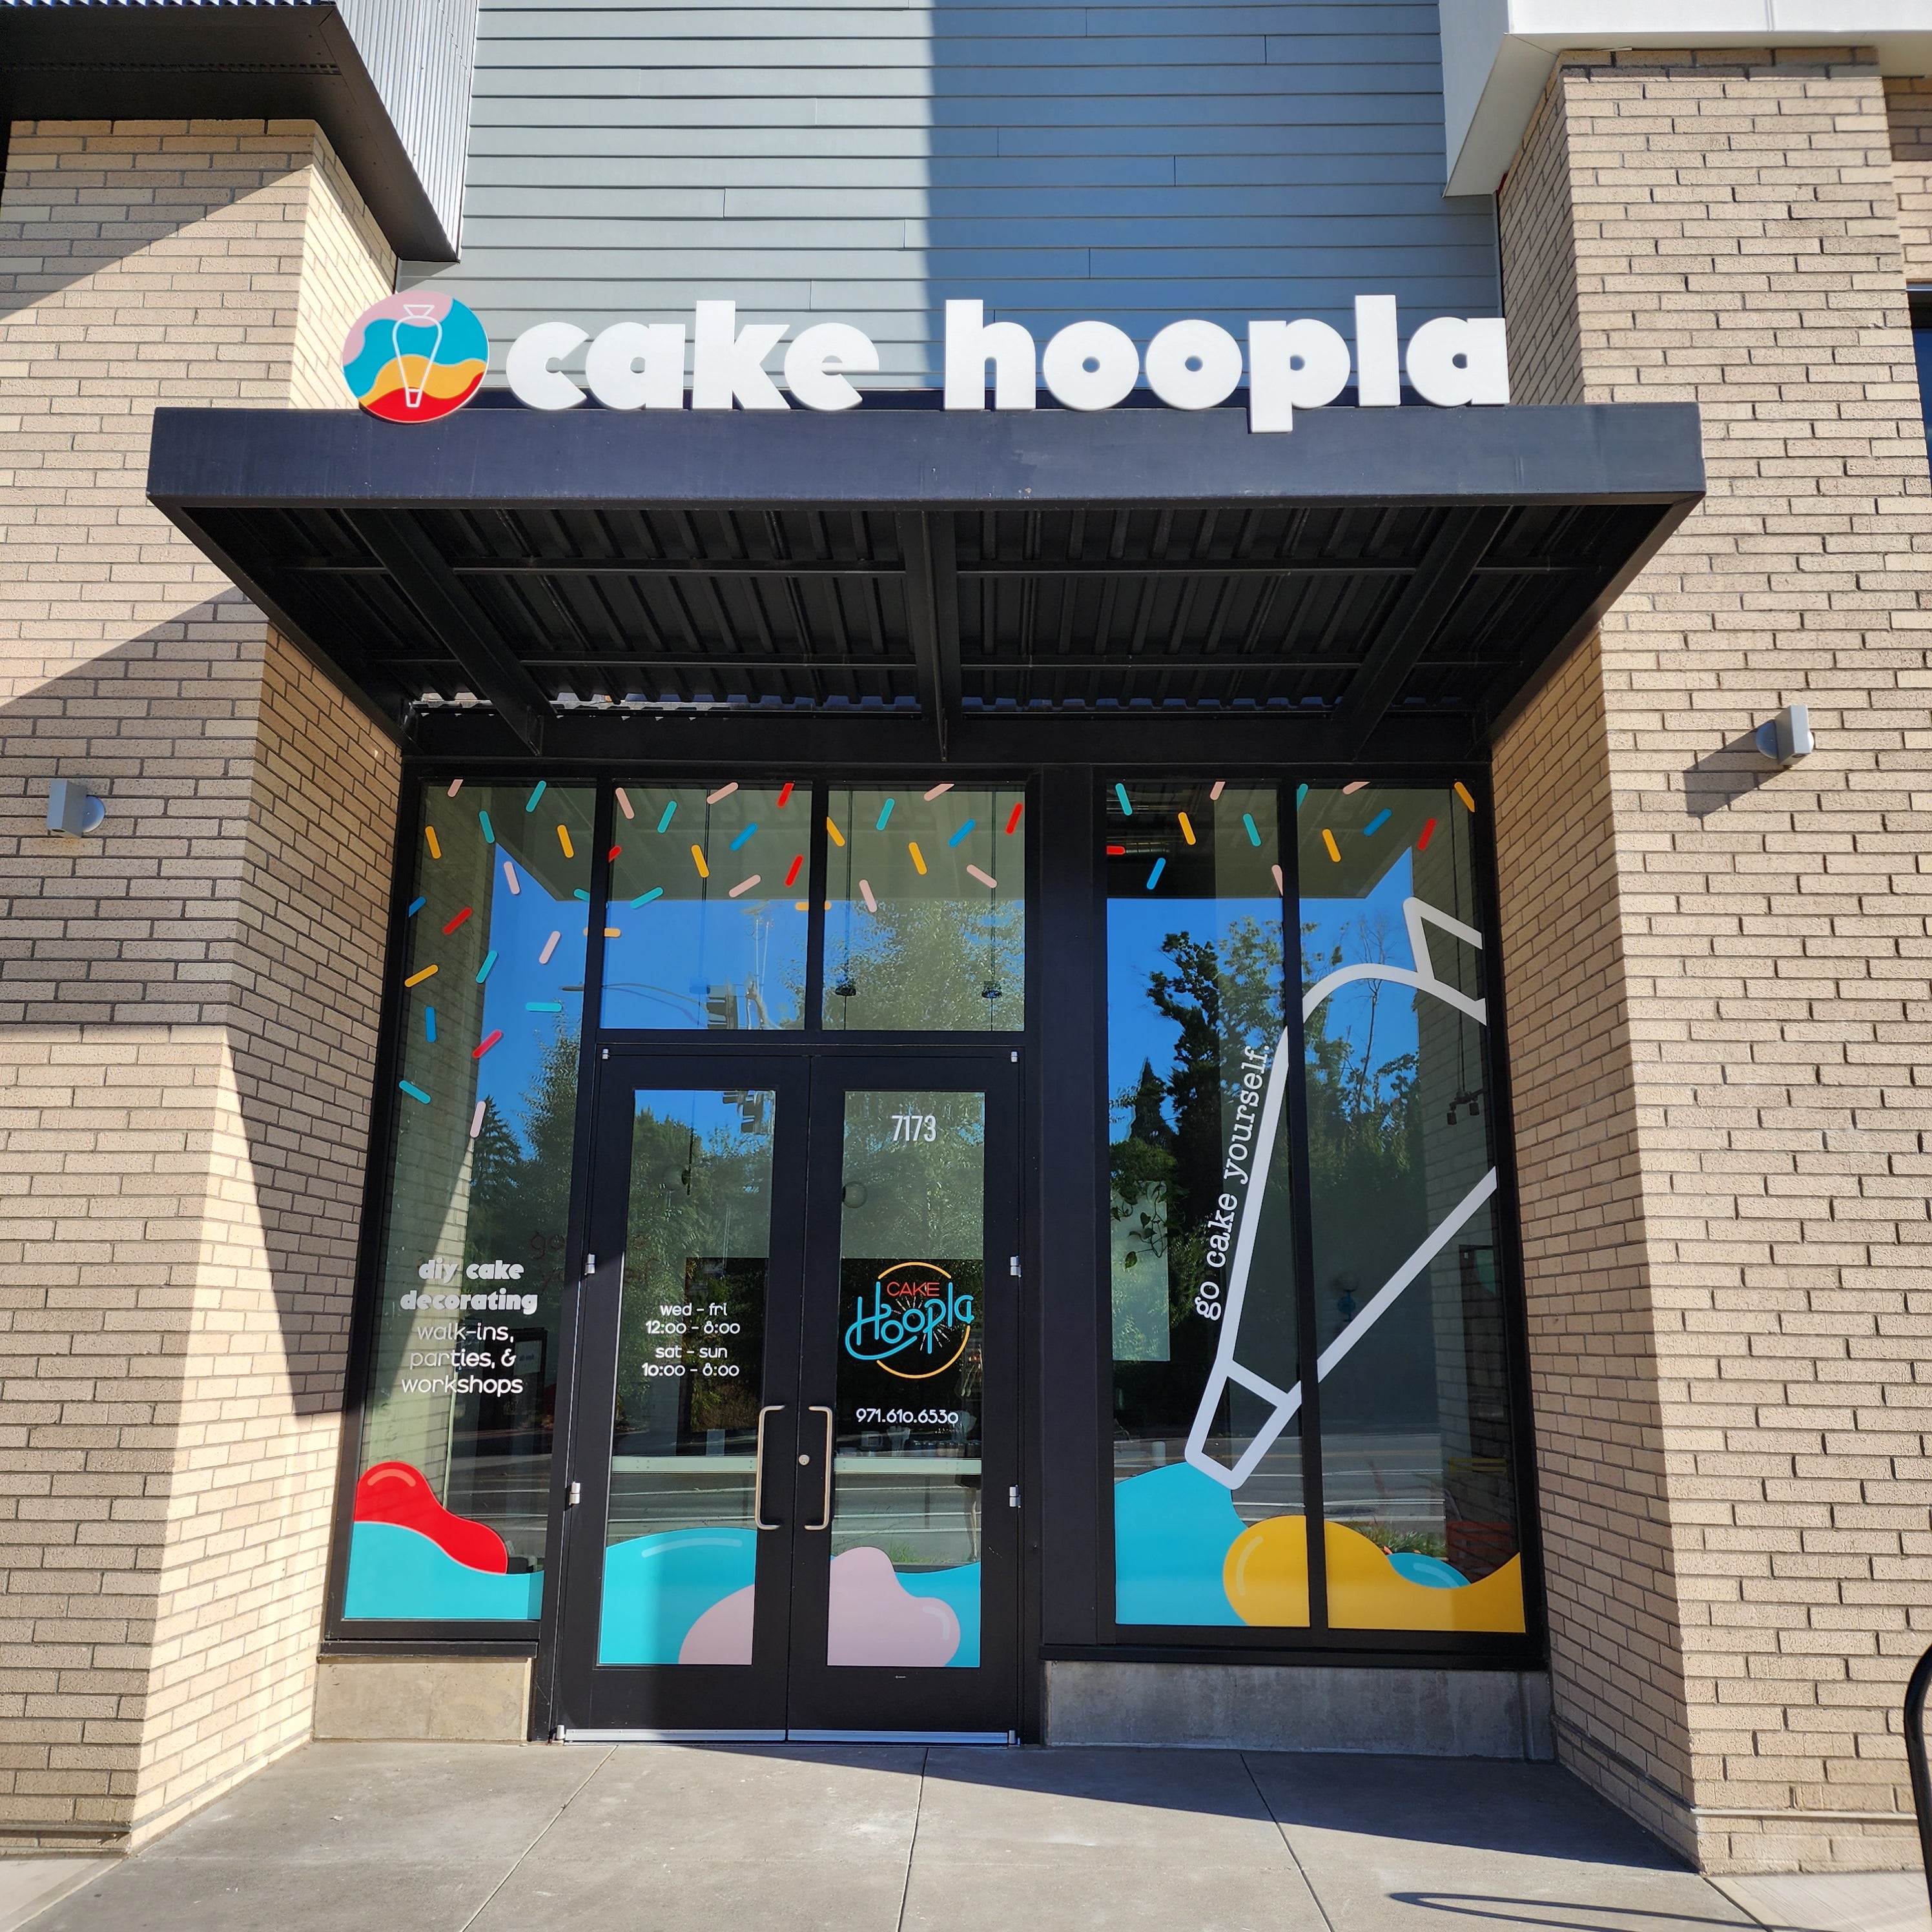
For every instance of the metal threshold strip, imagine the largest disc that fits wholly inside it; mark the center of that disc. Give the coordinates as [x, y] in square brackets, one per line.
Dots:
[568, 1734]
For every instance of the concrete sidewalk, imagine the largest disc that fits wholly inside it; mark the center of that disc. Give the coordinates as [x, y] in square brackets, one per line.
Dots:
[675, 1838]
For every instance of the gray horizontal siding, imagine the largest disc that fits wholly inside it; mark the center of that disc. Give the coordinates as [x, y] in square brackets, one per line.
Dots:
[1135, 164]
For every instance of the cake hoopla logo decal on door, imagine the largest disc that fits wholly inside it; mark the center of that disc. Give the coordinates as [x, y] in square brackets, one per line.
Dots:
[416, 356]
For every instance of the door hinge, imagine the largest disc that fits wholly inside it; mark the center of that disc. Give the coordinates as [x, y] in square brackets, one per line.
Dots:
[1013, 1266]
[575, 1495]
[590, 1265]
[1014, 1057]
[1013, 1497]
[605, 1054]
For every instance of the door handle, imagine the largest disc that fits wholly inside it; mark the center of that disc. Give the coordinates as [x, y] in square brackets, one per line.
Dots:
[825, 1508]
[758, 1471]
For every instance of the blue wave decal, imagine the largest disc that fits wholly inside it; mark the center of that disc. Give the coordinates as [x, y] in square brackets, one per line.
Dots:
[1173, 1529]
[656, 1587]
[394, 1572]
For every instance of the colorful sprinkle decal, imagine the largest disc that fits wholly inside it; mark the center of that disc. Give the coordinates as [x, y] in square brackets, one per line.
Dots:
[580, 893]
[645, 898]
[543, 1006]
[1186, 828]
[697, 860]
[1328, 839]
[613, 853]
[1248, 819]
[489, 960]
[743, 886]
[939, 791]
[1013, 818]
[1126, 803]
[959, 838]
[865, 893]
[1159, 866]
[489, 830]
[1301, 796]
[511, 880]
[793, 874]
[986, 879]
[417, 979]
[1463, 793]
[918, 857]
[1423, 838]
[415, 907]
[885, 815]
[738, 844]
[723, 791]
[1376, 823]
[1280, 885]
[550, 947]
[484, 1046]
[455, 786]
[430, 840]
[415, 1092]
[784, 794]
[663, 823]
[1354, 786]
[458, 920]
[476, 1118]
[624, 802]
[429, 1024]
[837, 837]
[1117, 851]
[1215, 790]
[614, 932]
[530, 803]
[563, 839]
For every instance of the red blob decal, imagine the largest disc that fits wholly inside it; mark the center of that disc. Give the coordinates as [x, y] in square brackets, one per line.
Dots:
[394, 1492]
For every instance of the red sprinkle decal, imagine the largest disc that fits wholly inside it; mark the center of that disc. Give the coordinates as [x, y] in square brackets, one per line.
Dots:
[490, 1040]
[1428, 833]
[614, 851]
[1013, 823]
[1117, 851]
[795, 864]
[783, 796]
[459, 918]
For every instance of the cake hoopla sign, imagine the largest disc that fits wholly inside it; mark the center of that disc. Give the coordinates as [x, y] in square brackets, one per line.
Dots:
[418, 356]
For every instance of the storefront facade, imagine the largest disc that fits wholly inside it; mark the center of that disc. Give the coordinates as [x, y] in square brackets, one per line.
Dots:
[829, 1067]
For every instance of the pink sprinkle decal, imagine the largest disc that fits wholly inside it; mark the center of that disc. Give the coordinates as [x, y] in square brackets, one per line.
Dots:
[510, 880]
[1280, 885]
[1355, 785]
[937, 790]
[723, 791]
[1220, 786]
[743, 886]
[550, 947]
[476, 1119]
[986, 879]
[865, 893]
[455, 786]
[624, 803]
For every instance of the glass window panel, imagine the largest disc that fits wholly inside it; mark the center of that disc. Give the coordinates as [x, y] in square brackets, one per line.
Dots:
[1208, 1524]
[905, 1523]
[926, 926]
[705, 928]
[453, 1494]
[1416, 1453]
[680, 1540]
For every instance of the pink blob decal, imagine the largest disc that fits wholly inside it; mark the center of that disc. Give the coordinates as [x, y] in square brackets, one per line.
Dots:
[398, 1493]
[723, 1635]
[874, 1620]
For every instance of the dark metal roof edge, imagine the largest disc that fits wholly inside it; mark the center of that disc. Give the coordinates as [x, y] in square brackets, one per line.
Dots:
[1587, 453]
[276, 63]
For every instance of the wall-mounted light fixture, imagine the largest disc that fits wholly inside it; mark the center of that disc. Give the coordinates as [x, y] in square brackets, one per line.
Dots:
[1787, 738]
[72, 808]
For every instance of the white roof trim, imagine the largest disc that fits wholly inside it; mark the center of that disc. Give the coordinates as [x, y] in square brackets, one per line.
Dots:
[1498, 54]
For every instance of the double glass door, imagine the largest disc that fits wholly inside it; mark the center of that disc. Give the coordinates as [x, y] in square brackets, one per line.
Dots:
[793, 1460]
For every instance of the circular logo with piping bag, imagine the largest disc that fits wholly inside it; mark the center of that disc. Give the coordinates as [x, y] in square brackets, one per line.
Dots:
[414, 356]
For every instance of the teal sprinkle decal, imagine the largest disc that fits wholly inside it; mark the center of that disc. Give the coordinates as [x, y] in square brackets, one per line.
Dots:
[884, 815]
[415, 1092]
[663, 823]
[429, 1024]
[489, 830]
[1126, 804]
[543, 1006]
[645, 898]
[1300, 794]
[483, 971]
[1248, 819]
[530, 803]
[581, 894]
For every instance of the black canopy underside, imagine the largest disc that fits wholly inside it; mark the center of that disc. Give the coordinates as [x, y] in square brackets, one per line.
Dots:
[1138, 584]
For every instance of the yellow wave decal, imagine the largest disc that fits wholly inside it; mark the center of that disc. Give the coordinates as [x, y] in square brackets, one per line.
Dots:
[1266, 1577]
[437, 379]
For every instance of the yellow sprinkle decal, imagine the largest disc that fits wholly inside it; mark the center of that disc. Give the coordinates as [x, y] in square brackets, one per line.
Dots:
[837, 837]
[417, 979]
[614, 932]
[1463, 793]
[1187, 829]
[918, 857]
[563, 839]
[1328, 839]
[429, 839]
[697, 860]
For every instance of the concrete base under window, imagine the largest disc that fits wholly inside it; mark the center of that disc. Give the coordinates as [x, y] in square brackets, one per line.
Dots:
[483, 1700]
[1260, 1707]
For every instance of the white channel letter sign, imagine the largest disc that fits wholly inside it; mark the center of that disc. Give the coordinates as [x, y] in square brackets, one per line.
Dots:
[1088, 365]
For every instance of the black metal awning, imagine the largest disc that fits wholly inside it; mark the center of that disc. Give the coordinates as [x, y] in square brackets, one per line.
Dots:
[1383, 583]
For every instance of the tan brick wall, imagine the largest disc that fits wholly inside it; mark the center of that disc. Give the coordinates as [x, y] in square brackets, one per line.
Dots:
[1725, 1199]
[1908, 104]
[186, 998]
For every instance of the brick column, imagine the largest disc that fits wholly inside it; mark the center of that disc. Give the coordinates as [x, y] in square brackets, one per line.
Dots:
[187, 997]
[1718, 970]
